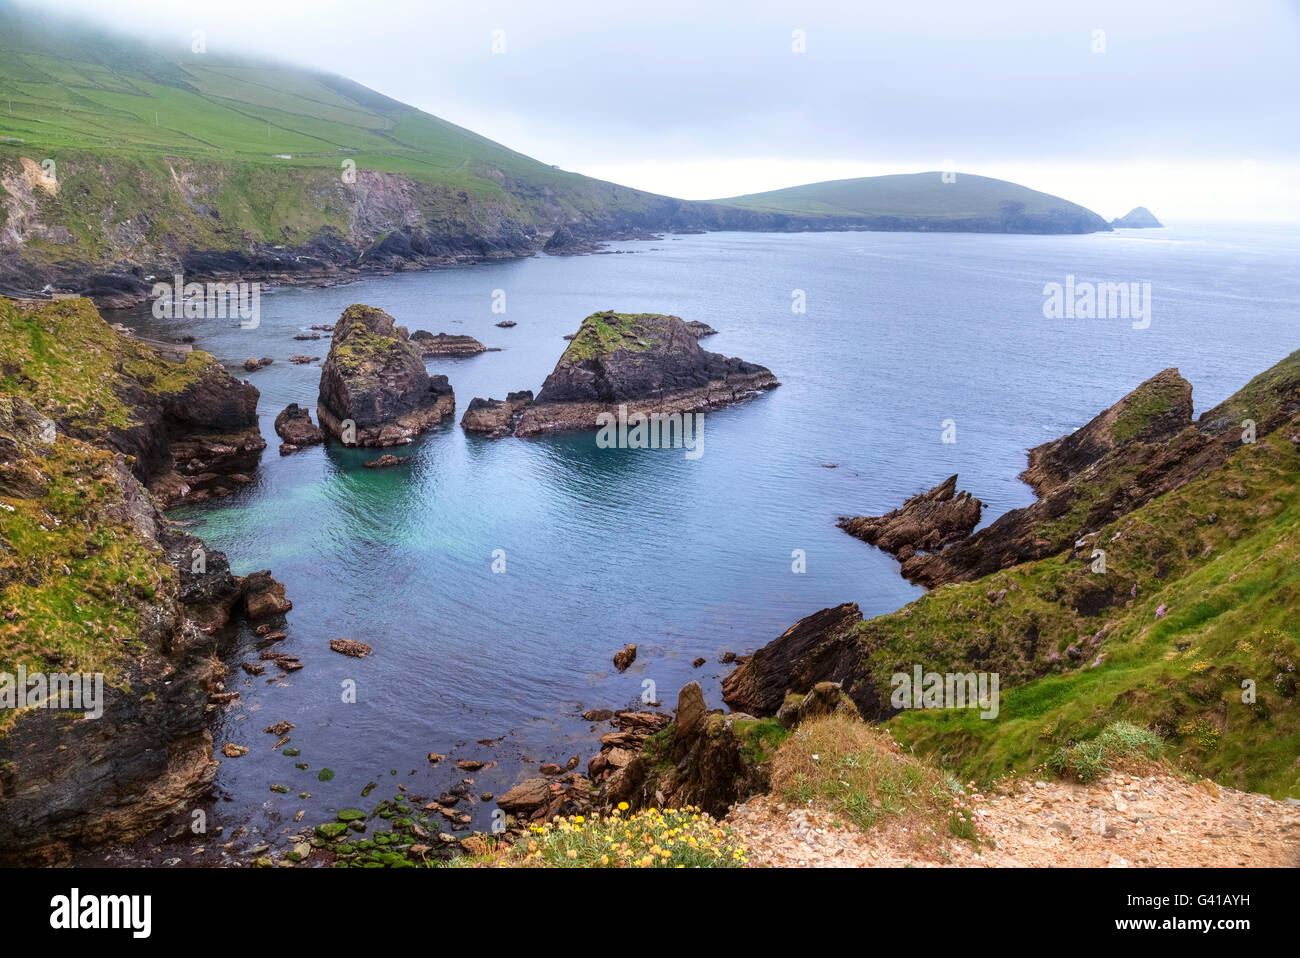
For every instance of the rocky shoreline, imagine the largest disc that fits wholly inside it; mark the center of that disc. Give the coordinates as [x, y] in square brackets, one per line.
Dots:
[158, 596]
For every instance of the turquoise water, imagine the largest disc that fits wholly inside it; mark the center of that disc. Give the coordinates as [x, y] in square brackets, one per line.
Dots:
[686, 558]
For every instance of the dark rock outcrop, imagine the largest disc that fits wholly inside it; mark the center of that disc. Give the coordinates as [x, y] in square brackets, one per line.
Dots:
[445, 344]
[701, 329]
[1155, 412]
[926, 522]
[295, 427]
[565, 242]
[375, 379]
[644, 364]
[1140, 448]
[822, 647]
[496, 417]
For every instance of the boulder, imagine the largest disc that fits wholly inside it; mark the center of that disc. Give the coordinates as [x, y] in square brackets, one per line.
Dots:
[819, 648]
[625, 657]
[295, 427]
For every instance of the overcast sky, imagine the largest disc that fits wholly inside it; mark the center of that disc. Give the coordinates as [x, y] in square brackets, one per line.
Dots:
[1190, 110]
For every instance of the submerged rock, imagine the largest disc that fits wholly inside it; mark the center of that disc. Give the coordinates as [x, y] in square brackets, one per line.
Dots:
[385, 461]
[375, 380]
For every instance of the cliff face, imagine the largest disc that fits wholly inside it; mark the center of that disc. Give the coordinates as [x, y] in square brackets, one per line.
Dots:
[188, 430]
[210, 218]
[375, 377]
[646, 362]
[93, 581]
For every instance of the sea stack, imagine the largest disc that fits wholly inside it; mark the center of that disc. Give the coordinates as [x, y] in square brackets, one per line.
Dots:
[375, 378]
[642, 363]
[1137, 218]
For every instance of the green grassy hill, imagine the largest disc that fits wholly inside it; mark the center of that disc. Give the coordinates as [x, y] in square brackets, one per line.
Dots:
[922, 197]
[64, 86]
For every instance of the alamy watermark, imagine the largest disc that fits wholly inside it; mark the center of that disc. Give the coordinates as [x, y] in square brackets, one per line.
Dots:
[654, 431]
[181, 300]
[53, 690]
[946, 690]
[1085, 300]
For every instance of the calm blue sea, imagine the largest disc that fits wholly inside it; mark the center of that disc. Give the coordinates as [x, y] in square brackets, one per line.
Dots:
[686, 558]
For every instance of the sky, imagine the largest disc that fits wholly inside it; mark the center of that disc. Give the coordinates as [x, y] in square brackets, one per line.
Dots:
[1189, 108]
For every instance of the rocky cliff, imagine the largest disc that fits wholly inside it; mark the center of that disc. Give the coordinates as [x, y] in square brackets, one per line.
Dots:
[92, 580]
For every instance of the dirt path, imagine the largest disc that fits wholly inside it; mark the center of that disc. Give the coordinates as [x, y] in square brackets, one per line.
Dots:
[1116, 822]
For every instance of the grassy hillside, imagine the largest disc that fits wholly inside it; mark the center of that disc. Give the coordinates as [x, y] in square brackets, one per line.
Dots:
[923, 196]
[67, 87]
[1200, 595]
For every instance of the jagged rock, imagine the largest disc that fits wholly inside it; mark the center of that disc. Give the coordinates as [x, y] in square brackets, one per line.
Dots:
[445, 344]
[927, 522]
[625, 657]
[263, 596]
[702, 765]
[690, 710]
[295, 427]
[1155, 412]
[565, 242]
[1140, 448]
[819, 648]
[496, 417]
[701, 329]
[375, 378]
